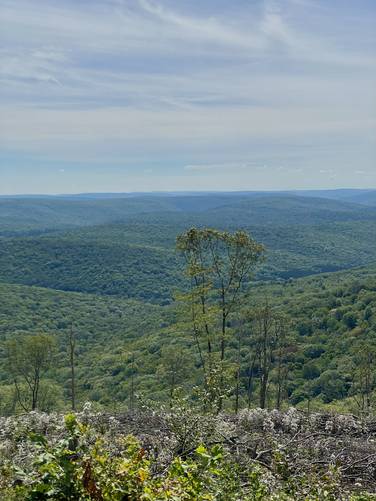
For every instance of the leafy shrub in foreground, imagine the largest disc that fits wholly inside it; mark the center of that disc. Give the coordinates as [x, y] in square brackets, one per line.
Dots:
[82, 466]
[80, 462]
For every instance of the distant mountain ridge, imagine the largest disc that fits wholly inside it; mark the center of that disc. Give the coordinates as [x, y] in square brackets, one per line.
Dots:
[355, 195]
[32, 216]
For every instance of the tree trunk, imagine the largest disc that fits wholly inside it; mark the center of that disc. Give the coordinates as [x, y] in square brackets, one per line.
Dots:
[72, 344]
[263, 390]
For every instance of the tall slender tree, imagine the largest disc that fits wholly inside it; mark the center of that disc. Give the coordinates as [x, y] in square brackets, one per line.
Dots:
[363, 375]
[174, 367]
[72, 356]
[219, 264]
[267, 334]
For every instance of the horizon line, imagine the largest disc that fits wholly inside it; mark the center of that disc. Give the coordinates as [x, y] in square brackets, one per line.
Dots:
[178, 192]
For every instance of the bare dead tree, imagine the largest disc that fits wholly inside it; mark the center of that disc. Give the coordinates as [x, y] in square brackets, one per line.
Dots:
[282, 367]
[267, 331]
[363, 375]
[72, 356]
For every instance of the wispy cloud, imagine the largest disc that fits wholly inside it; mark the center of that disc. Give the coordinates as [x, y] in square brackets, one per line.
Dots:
[196, 82]
[209, 29]
[217, 167]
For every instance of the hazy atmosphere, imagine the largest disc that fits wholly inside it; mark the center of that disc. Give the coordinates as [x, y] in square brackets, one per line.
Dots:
[127, 95]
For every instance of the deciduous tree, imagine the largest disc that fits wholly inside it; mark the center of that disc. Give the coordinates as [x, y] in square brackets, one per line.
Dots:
[28, 359]
[218, 264]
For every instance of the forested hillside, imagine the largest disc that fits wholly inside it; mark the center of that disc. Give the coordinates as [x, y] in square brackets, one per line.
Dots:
[31, 215]
[134, 255]
[117, 287]
[120, 342]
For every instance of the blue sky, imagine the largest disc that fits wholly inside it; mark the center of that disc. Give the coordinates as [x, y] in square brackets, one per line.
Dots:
[142, 95]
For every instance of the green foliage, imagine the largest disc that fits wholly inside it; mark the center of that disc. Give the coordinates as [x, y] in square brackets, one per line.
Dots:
[113, 249]
[124, 247]
[308, 342]
[109, 268]
[27, 360]
[82, 463]
[107, 329]
[76, 469]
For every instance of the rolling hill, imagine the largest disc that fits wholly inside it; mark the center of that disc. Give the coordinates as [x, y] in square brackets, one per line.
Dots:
[126, 247]
[111, 332]
[20, 215]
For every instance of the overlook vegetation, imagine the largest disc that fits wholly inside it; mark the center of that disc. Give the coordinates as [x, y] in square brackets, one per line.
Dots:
[178, 454]
[214, 305]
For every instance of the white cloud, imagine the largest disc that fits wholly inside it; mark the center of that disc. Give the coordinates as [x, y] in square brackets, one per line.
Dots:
[217, 166]
[124, 80]
[39, 127]
[209, 29]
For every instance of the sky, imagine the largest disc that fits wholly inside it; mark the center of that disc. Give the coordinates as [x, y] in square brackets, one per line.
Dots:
[151, 95]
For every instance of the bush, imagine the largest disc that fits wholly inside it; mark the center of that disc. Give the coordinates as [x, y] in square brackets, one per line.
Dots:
[258, 455]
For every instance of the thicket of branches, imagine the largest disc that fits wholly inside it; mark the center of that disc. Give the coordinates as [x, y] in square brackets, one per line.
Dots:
[181, 454]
